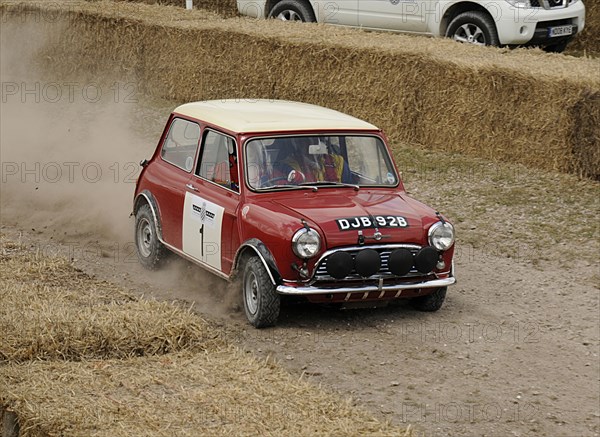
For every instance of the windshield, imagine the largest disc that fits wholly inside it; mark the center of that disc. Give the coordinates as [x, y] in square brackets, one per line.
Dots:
[291, 162]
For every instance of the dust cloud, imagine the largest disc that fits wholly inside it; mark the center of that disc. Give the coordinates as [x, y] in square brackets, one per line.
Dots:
[69, 149]
[70, 152]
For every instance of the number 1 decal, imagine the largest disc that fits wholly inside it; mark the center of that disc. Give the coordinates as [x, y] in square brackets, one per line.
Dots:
[202, 240]
[201, 231]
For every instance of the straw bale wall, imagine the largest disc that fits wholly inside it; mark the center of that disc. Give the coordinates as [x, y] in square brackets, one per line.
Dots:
[49, 310]
[588, 41]
[522, 106]
[224, 8]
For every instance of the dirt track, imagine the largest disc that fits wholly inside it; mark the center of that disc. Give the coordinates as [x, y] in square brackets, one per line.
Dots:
[505, 356]
[513, 352]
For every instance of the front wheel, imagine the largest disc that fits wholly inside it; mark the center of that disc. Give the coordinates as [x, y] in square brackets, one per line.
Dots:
[475, 28]
[431, 302]
[293, 10]
[261, 301]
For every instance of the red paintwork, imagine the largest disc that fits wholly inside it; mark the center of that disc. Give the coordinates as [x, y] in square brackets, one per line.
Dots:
[274, 217]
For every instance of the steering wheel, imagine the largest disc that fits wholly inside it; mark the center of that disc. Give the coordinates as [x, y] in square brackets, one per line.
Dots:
[273, 181]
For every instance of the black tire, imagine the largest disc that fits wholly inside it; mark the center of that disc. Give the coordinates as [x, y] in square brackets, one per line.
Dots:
[558, 47]
[473, 27]
[150, 251]
[293, 10]
[261, 301]
[430, 303]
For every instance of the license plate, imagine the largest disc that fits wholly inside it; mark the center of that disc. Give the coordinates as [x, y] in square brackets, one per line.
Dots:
[560, 31]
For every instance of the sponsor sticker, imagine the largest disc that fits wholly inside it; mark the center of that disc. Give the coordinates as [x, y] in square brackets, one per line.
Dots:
[203, 213]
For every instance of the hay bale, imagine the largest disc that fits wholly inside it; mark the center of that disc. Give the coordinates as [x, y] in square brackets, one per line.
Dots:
[518, 106]
[222, 393]
[223, 8]
[49, 310]
[588, 41]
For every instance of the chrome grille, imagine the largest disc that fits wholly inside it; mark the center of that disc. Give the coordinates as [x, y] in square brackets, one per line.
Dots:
[550, 4]
[384, 254]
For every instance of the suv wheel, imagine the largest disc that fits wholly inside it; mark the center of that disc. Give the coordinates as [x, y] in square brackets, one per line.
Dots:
[431, 302]
[151, 252]
[473, 28]
[261, 301]
[292, 10]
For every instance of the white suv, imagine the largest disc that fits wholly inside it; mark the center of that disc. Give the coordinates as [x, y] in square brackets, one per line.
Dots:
[547, 23]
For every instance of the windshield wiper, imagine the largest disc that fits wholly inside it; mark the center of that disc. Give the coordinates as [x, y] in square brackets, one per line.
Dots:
[299, 186]
[335, 184]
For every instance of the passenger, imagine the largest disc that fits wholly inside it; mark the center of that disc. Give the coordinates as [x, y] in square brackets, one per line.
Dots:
[321, 165]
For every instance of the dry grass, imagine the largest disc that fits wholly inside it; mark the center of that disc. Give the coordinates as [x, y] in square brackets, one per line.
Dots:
[522, 106]
[509, 210]
[49, 310]
[82, 357]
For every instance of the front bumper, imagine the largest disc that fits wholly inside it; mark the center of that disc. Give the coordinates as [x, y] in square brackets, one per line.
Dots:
[540, 36]
[529, 26]
[380, 288]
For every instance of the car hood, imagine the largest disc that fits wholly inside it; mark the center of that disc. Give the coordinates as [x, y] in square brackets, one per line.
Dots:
[341, 215]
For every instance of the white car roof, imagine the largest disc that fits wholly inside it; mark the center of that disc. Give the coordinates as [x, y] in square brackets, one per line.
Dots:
[249, 116]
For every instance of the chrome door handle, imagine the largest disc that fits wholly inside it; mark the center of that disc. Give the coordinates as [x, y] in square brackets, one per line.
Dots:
[191, 187]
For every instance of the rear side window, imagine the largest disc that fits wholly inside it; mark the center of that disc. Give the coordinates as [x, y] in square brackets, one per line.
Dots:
[181, 144]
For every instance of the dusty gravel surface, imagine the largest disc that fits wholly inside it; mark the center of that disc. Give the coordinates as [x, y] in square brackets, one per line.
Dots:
[513, 352]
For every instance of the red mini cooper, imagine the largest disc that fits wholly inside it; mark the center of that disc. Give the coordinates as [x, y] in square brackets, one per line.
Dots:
[294, 199]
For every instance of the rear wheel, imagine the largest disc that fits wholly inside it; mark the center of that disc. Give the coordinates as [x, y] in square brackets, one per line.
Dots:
[151, 252]
[475, 28]
[431, 302]
[293, 10]
[261, 301]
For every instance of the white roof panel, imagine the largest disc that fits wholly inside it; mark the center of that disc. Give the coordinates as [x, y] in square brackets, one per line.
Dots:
[248, 116]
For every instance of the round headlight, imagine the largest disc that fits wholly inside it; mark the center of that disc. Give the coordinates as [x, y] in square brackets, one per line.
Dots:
[441, 236]
[306, 243]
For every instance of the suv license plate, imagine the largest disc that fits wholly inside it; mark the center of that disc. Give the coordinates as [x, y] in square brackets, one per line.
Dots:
[560, 31]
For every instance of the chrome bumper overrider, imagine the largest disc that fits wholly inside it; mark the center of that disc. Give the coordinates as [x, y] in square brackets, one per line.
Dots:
[381, 288]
